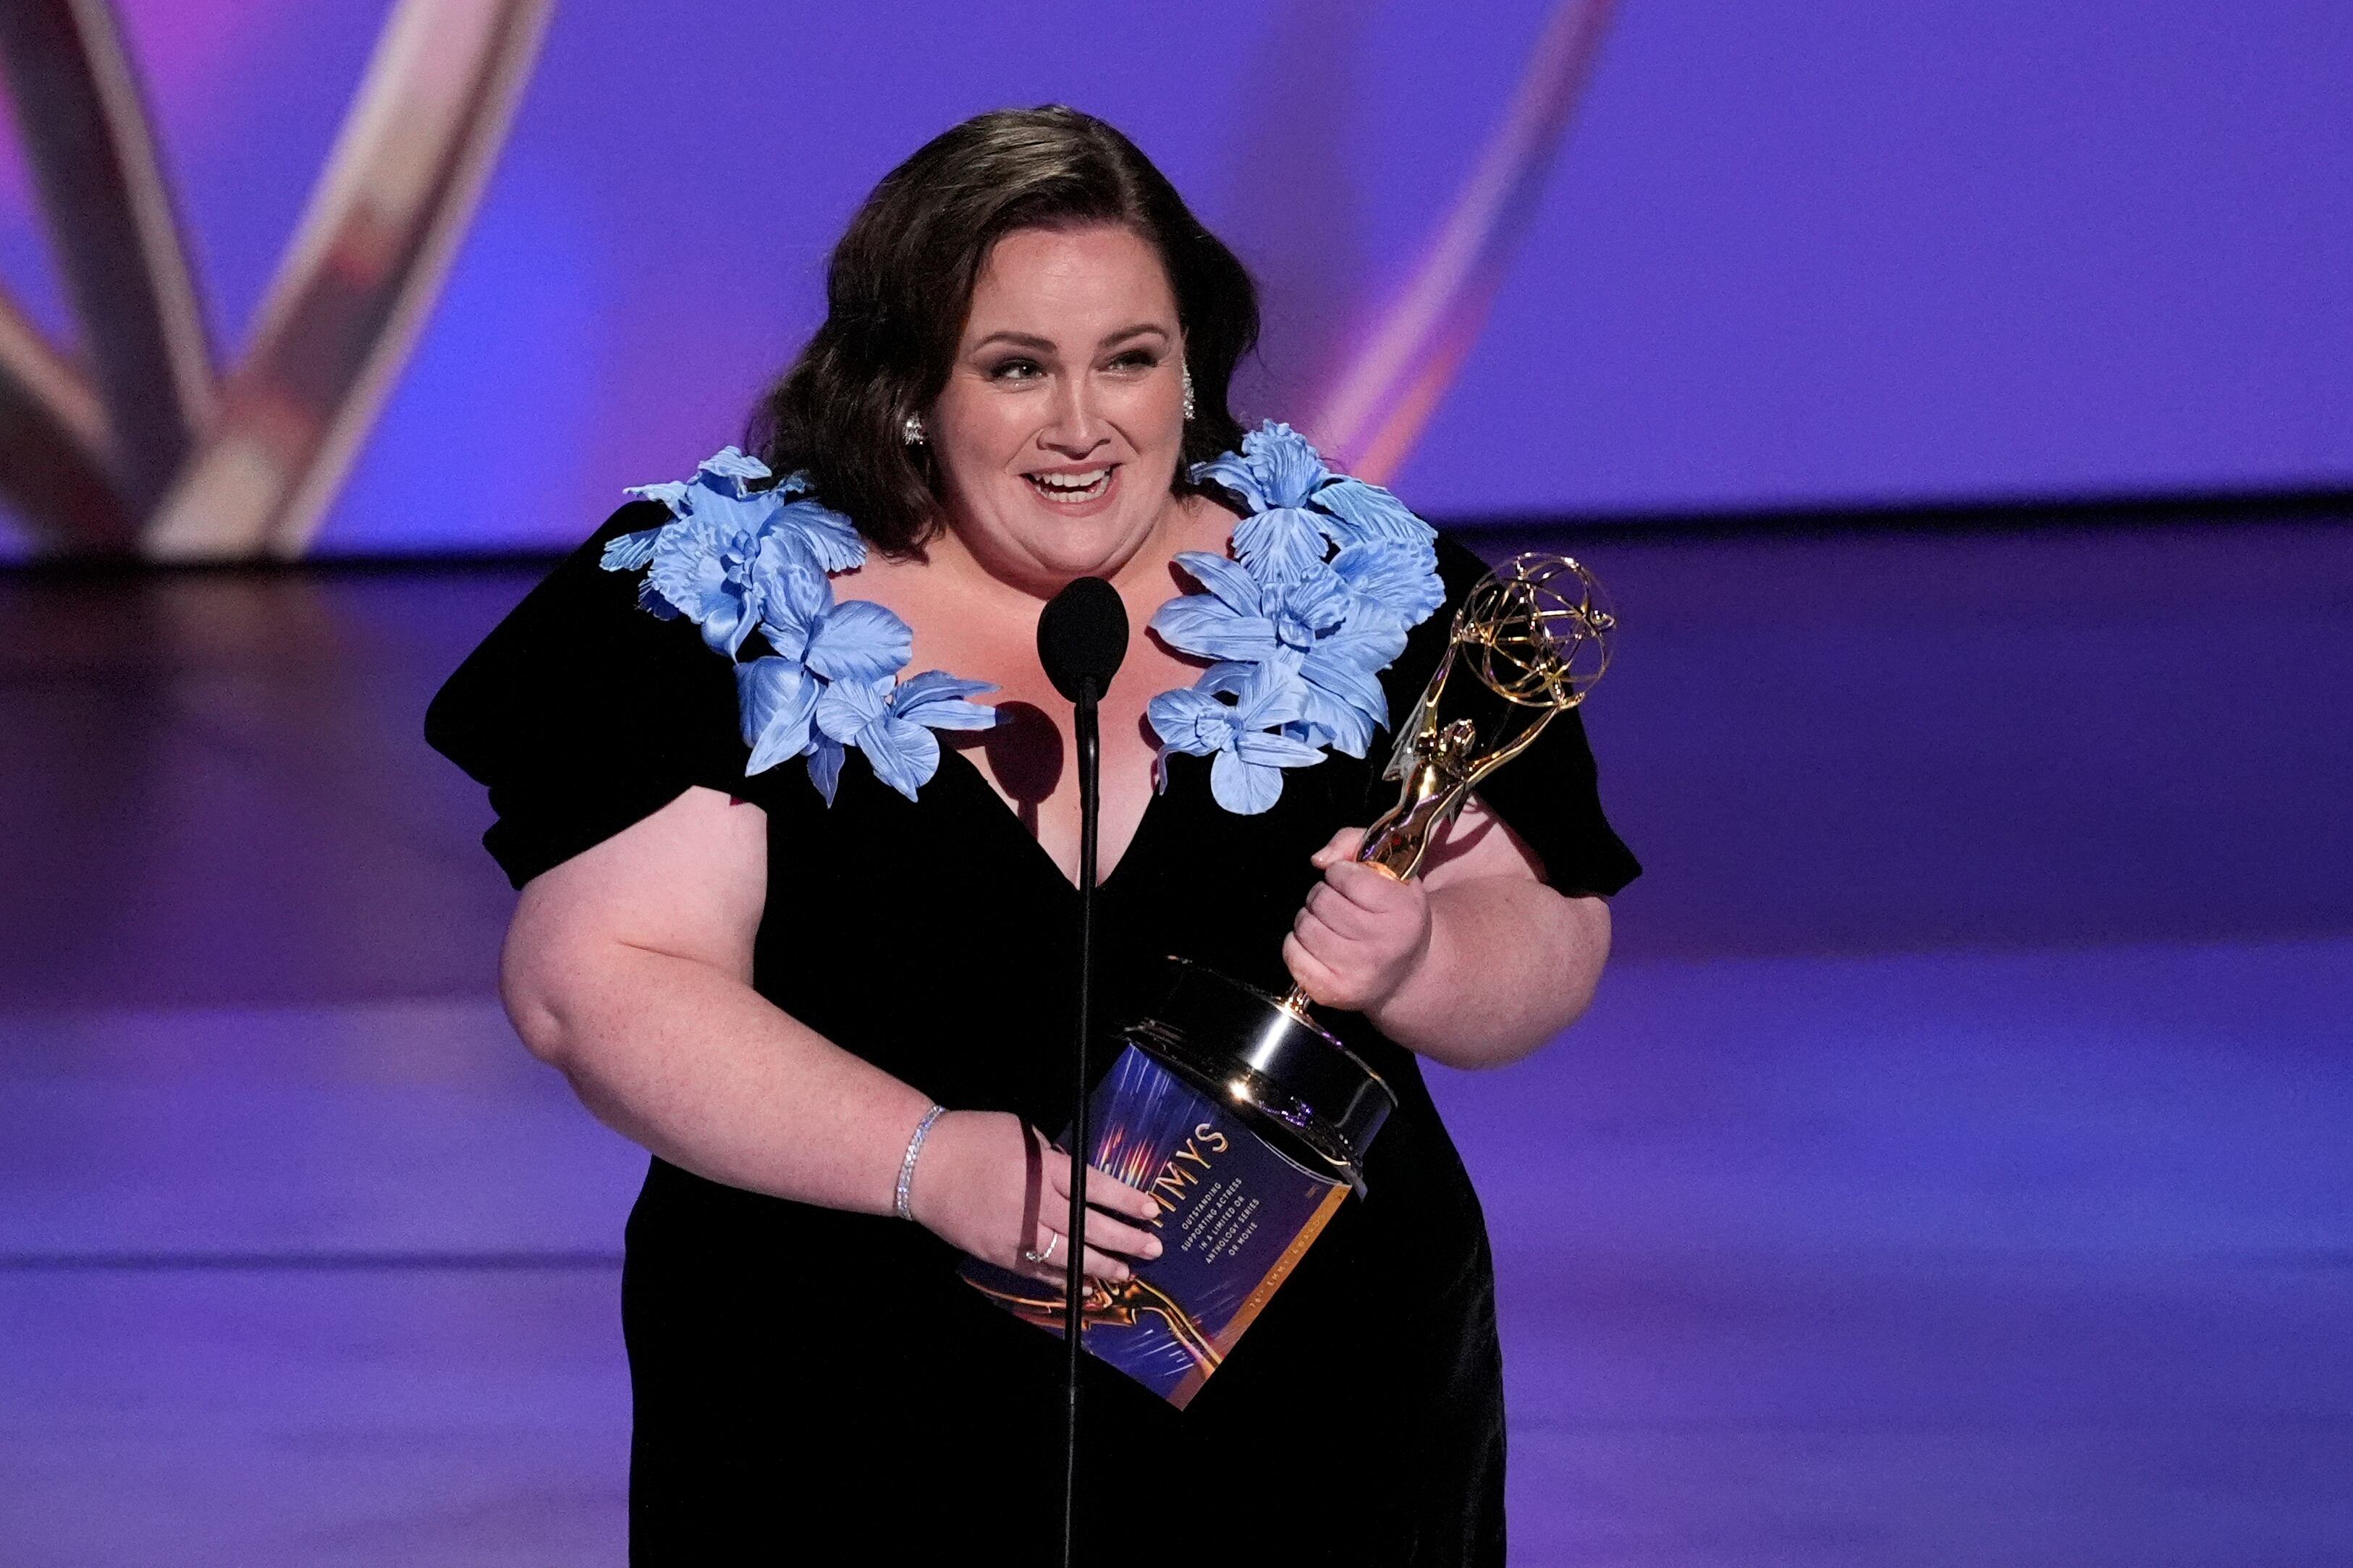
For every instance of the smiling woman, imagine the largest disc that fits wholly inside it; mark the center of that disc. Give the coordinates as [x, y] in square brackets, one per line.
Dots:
[829, 993]
[896, 333]
[1066, 418]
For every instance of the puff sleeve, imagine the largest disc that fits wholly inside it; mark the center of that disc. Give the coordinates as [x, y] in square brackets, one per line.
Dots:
[583, 714]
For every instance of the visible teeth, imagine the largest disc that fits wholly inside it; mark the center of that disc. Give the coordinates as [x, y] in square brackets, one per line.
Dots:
[1073, 487]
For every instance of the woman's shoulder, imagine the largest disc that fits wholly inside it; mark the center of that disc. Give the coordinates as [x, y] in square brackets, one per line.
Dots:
[1549, 794]
[578, 641]
[583, 713]
[1458, 566]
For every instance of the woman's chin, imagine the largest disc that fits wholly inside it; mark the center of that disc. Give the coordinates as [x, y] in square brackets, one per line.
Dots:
[1096, 544]
[1042, 544]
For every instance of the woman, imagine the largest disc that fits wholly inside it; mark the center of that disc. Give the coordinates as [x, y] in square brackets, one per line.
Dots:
[771, 962]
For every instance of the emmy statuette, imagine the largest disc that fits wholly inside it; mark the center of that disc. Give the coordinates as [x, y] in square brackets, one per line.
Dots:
[1535, 634]
[1245, 1120]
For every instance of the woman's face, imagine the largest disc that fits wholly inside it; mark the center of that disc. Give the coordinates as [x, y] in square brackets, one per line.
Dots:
[1059, 430]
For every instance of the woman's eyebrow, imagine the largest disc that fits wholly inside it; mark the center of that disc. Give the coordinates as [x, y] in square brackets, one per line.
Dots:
[1046, 345]
[1140, 329]
[1019, 340]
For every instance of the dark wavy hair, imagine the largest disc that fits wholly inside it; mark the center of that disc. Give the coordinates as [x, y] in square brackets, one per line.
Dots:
[900, 284]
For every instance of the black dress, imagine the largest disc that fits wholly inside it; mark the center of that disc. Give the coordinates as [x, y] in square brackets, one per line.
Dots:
[800, 1372]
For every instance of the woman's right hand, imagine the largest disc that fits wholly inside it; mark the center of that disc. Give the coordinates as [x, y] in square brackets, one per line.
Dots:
[995, 1188]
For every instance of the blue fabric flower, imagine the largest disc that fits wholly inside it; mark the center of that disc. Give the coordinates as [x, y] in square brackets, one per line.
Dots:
[1301, 510]
[1399, 583]
[730, 550]
[1237, 714]
[892, 724]
[1342, 640]
[858, 642]
[735, 559]
[1329, 575]
[1230, 621]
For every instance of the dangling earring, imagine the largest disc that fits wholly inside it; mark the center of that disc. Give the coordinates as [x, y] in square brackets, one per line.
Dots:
[1189, 394]
[912, 432]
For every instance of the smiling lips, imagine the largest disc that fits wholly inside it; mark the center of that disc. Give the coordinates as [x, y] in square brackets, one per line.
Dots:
[1074, 487]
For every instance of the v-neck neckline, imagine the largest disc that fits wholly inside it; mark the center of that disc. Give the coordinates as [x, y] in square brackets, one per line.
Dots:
[995, 805]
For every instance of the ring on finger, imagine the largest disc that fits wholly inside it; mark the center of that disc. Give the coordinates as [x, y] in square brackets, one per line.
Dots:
[1031, 1255]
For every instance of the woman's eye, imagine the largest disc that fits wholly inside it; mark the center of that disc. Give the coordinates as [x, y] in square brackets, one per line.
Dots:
[1135, 359]
[1014, 370]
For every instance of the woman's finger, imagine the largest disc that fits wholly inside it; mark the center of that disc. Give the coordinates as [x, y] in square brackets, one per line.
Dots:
[1342, 846]
[1328, 946]
[1368, 889]
[1343, 914]
[1317, 934]
[1314, 977]
[1107, 1234]
[1102, 1266]
[1097, 1265]
[1050, 1258]
[1045, 1248]
[1104, 1191]
[1049, 1251]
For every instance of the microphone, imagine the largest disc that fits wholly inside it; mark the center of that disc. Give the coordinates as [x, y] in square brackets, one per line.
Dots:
[1082, 638]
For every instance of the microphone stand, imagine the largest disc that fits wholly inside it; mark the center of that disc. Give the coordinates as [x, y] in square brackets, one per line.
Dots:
[1089, 735]
[1081, 636]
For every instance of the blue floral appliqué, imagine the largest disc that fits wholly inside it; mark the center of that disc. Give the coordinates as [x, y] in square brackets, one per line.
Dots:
[1329, 574]
[735, 559]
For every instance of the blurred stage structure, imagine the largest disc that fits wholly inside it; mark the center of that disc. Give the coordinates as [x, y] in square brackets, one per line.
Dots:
[149, 447]
[1801, 261]
[149, 450]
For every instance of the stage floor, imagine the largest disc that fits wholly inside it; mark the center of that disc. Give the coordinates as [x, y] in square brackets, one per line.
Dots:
[1957, 1169]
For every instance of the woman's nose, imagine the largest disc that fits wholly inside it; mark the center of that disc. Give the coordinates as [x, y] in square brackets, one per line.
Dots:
[1077, 426]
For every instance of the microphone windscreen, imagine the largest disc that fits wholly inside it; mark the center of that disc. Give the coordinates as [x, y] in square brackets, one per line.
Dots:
[1082, 637]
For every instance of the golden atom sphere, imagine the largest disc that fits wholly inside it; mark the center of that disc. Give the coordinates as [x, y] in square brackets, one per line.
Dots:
[1537, 630]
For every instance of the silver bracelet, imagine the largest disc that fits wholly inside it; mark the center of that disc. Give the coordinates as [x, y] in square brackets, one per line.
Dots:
[907, 1165]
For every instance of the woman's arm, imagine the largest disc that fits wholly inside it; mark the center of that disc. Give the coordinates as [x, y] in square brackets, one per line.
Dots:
[628, 967]
[1476, 964]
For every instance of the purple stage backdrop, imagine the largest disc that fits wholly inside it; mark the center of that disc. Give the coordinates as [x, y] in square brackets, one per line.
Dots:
[1832, 253]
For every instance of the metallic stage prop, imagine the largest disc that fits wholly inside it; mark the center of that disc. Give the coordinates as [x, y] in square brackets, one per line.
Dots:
[145, 450]
[143, 445]
[1370, 416]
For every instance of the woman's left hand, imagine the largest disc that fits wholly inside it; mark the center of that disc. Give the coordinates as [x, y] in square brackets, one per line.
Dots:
[1361, 935]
